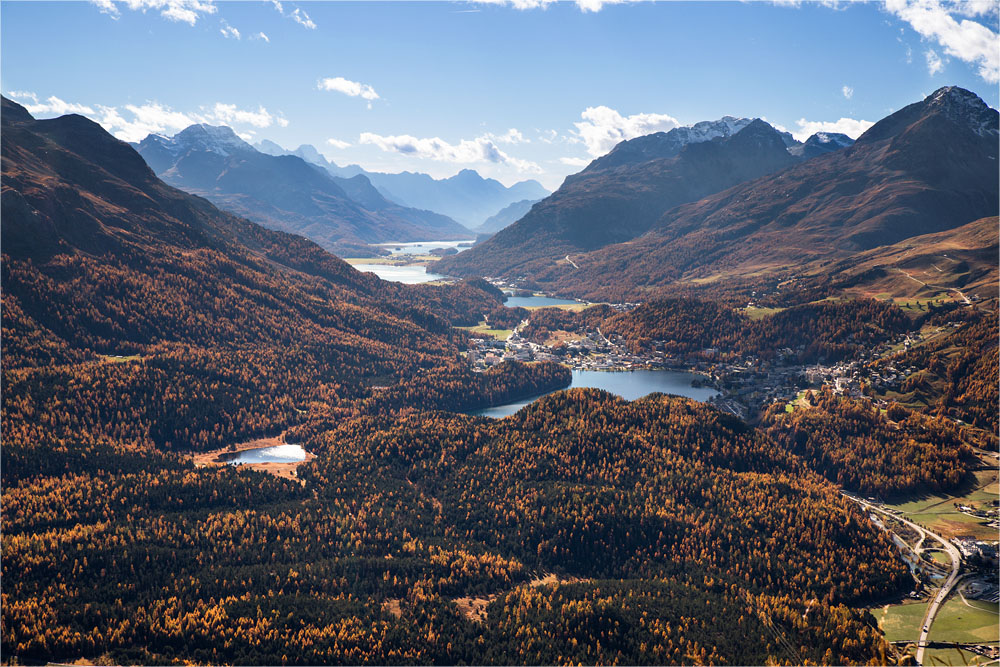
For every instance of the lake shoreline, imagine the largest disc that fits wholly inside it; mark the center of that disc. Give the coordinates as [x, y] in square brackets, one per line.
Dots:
[284, 469]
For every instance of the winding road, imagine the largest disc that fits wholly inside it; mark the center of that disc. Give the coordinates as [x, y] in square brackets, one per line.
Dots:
[942, 594]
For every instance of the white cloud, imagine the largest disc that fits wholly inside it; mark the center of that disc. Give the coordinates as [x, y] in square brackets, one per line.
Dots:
[602, 127]
[511, 136]
[135, 121]
[261, 36]
[849, 126]
[575, 161]
[547, 136]
[934, 63]
[467, 151]
[302, 18]
[107, 7]
[965, 39]
[583, 5]
[847, 91]
[22, 95]
[229, 31]
[296, 15]
[247, 136]
[337, 143]
[185, 11]
[56, 106]
[339, 84]
[228, 113]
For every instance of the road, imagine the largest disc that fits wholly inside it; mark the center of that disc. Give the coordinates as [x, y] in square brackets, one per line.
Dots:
[966, 299]
[572, 262]
[942, 595]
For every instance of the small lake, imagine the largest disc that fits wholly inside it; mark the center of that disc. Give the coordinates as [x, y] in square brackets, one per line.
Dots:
[535, 301]
[630, 385]
[276, 454]
[409, 274]
[422, 247]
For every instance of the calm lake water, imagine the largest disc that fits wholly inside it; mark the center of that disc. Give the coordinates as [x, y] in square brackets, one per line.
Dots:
[276, 454]
[533, 301]
[630, 385]
[410, 274]
[422, 247]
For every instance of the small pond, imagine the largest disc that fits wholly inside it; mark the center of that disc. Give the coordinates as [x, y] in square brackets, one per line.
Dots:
[276, 454]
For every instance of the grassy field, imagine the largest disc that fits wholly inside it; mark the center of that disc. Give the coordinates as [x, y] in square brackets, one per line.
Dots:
[563, 306]
[940, 557]
[118, 359]
[953, 657]
[901, 622]
[483, 328]
[939, 514]
[957, 622]
[756, 312]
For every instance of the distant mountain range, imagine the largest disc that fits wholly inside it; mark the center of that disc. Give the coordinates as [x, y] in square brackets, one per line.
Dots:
[930, 167]
[466, 197]
[288, 193]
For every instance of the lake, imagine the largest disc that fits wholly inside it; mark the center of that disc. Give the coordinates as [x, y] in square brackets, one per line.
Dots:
[276, 454]
[535, 301]
[630, 385]
[410, 274]
[422, 247]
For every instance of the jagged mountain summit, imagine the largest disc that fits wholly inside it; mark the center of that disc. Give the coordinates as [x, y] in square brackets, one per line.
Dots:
[668, 144]
[928, 168]
[289, 193]
[821, 143]
[620, 196]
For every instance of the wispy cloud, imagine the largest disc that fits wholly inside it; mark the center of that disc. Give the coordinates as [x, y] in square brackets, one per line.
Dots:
[934, 63]
[511, 136]
[961, 38]
[847, 91]
[185, 11]
[303, 19]
[296, 15]
[602, 127]
[229, 31]
[53, 105]
[584, 5]
[22, 95]
[849, 126]
[229, 113]
[467, 151]
[261, 36]
[337, 143]
[339, 84]
[575, 161]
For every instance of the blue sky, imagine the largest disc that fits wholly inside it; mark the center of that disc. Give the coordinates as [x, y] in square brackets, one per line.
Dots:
[521, 89]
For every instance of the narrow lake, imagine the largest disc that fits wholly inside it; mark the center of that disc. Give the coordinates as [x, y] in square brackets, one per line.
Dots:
[409, 274]
[276, 454]
[423, 247]
[630, 385]
[535, 301]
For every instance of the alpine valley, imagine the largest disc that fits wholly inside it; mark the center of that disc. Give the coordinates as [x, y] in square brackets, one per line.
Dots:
[224, 444]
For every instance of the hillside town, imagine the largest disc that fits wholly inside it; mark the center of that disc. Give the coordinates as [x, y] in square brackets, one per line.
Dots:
[746, 385]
